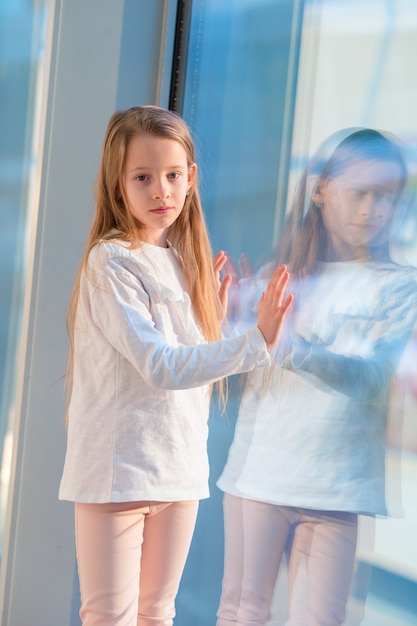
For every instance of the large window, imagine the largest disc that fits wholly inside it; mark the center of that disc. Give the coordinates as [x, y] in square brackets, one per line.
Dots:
[266, 82]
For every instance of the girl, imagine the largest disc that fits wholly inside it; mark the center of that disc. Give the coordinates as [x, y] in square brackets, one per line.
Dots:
[308, 451]
[145, 347]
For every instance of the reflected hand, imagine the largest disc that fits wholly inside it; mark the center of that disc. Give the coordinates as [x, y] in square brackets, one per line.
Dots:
[245, 268]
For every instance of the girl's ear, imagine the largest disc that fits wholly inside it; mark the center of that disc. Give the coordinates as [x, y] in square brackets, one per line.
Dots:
[313, 189]
[192, 173]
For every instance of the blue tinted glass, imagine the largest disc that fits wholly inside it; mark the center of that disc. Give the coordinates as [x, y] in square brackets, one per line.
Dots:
[239, 99]
[266, 83]
[239, 102]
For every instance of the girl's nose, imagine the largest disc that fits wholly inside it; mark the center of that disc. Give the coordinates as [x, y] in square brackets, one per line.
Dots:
[367, 203]
[160, 190]
[372, 205]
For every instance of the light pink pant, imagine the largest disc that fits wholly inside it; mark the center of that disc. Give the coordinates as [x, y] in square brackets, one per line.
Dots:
[321, 549]
[130, 560]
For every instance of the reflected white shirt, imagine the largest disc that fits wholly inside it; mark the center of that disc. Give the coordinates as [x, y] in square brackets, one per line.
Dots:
[313, 436]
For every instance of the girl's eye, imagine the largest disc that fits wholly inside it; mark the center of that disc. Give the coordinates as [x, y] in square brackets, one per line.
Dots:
[173, 175]
[359, 193]
[141, 177]
[386, 198]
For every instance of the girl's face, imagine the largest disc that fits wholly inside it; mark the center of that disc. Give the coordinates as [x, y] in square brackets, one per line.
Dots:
[356, 205]
[156, 178]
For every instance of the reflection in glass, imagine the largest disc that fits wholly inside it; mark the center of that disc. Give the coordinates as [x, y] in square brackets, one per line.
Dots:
[247, 58]
[308, 454]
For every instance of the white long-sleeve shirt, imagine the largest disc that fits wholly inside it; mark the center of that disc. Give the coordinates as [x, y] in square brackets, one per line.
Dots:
[139, 405]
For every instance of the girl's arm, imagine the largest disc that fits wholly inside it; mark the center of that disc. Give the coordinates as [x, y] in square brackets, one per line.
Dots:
[119, 307]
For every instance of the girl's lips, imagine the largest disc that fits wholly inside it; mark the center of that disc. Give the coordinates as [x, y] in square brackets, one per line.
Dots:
[372, 228]
[162, 210]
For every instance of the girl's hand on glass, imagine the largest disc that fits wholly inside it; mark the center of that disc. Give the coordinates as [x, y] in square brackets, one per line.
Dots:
[273, 307]
[223, 283]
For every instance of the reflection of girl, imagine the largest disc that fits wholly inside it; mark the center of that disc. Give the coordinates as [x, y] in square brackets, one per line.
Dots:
[308, 451]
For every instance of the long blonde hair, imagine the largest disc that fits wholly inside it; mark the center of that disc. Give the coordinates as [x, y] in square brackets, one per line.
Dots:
[188, 234]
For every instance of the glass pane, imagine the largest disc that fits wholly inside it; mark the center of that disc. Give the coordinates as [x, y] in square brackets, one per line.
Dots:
[239, 94]
[22, 39]
[239, 101]
[267, 82]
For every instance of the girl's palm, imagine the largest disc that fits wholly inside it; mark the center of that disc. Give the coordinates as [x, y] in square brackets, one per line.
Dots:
[273, 307]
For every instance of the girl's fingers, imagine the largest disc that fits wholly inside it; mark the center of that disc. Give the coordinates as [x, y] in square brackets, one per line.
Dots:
[277, 285]
[246, 269]
[273, 307]
[230, 268]
[224, 289]
[287, 303]
[219, 261]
